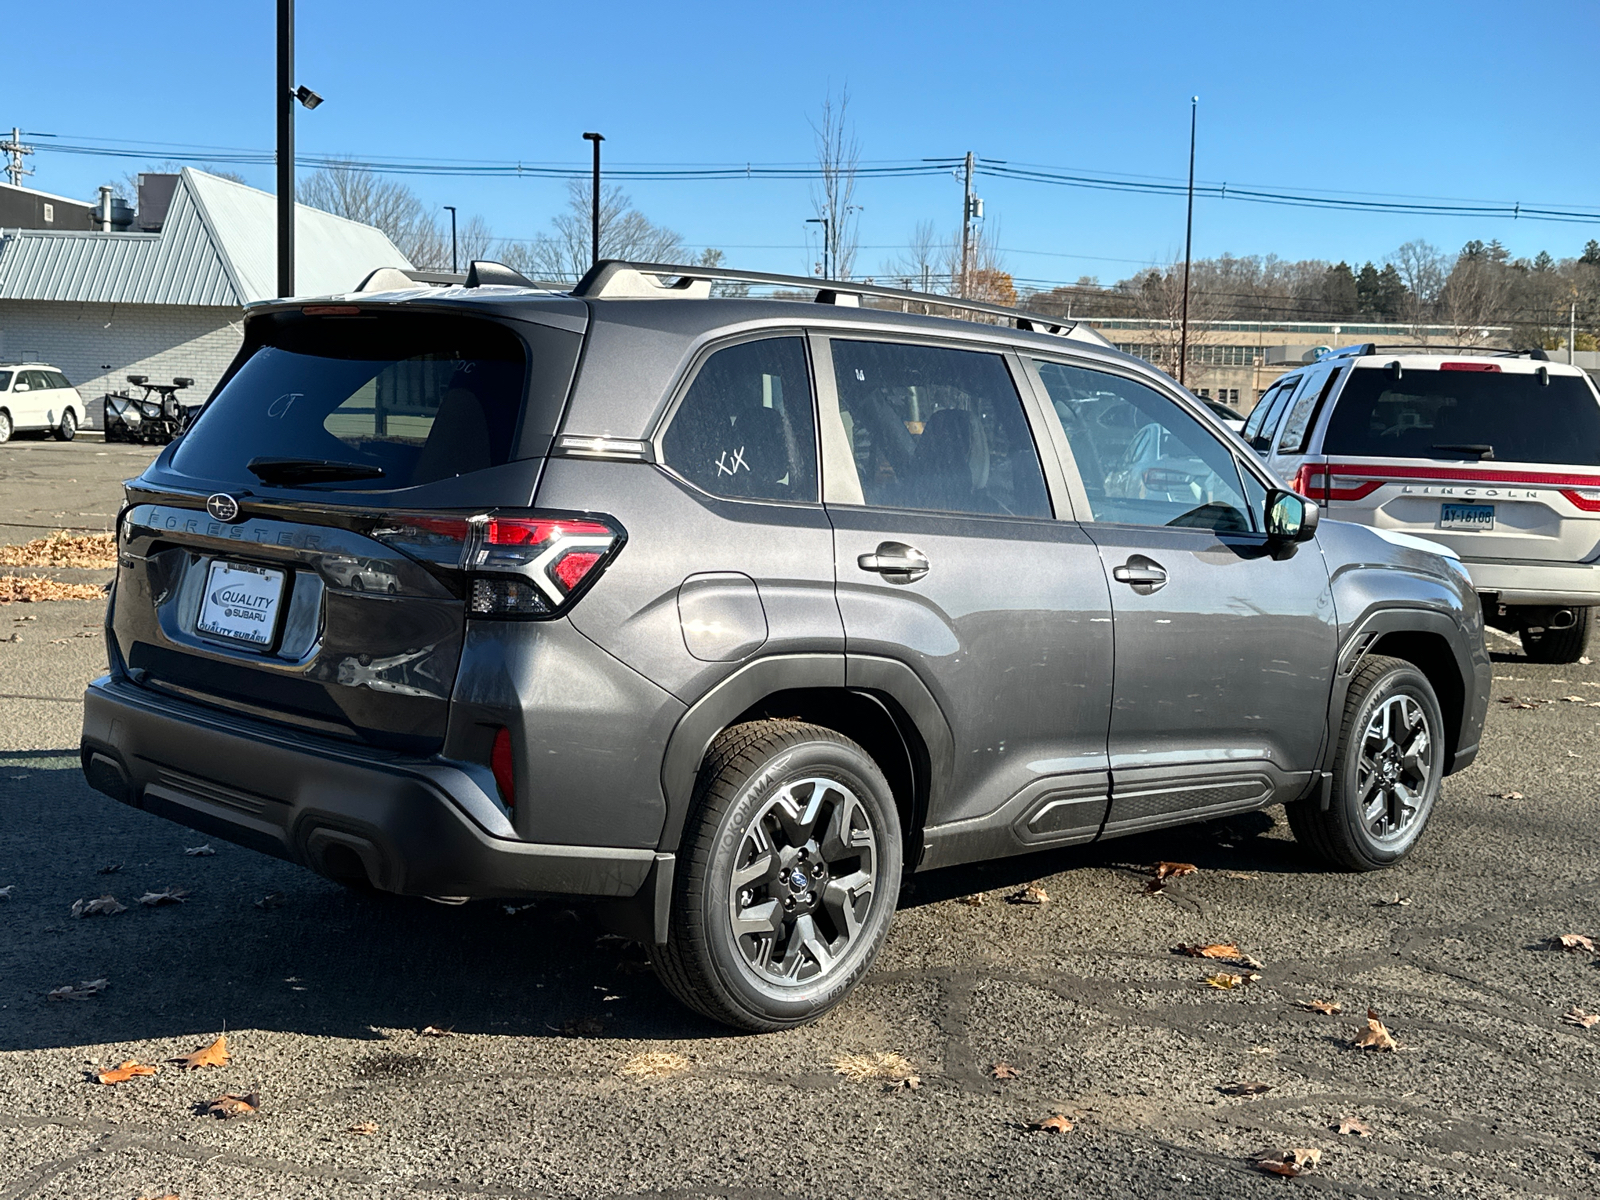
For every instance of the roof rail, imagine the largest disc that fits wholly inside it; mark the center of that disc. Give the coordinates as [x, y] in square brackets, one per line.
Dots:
[617, 279]
[1364, 348]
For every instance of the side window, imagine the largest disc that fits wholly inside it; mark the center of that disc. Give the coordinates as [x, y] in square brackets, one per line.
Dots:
[5, 380]
[58, 380]
[1269, 421]
[1304, 414]
[745, 429]
[1258, 414]
[35, 380]
[937, 429]
[1142, 459]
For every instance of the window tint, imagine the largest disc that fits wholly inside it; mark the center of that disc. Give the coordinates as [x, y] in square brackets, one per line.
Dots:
[937, 429]
[1143, 460]
[1270, 418]
[1303, 414]
[1258, 414]
[1466, 414]
[421, 398]
[745, 429]
[5, 380]
[58, 380]
[36, 380]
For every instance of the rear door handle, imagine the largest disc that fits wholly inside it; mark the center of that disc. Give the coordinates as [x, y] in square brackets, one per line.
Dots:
[896, 562]
[1145, 575]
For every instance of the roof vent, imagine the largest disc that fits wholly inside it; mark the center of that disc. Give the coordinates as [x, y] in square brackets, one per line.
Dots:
[492, 274]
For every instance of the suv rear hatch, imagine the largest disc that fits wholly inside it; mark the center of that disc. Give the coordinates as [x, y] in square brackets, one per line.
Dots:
[1499, 460]
[302, 553]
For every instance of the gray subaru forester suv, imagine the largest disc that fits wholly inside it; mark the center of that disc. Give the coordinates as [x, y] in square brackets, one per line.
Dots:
[730, 611]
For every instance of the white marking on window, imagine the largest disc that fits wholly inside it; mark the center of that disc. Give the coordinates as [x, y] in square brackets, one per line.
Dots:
[727, 465]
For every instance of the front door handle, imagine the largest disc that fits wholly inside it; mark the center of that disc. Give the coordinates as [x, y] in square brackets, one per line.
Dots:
[1145, 575]
[896, 562]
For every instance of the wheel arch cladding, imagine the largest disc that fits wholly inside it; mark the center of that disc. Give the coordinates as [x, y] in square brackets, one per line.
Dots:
[1431, 654]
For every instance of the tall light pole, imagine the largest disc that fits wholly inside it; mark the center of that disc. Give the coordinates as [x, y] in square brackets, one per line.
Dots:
[827, 230]
[966, 227]
[1188, 245]
[451, 209]
[288, 93]
[594, 252]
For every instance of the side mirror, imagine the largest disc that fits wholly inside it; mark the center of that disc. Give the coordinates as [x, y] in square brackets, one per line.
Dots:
[22, 387]
[1291, 519]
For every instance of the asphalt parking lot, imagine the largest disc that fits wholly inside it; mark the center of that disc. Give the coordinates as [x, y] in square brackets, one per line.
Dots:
[567, 1071]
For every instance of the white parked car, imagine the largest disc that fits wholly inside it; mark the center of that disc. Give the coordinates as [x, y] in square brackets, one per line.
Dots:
[37, 396]
[1495, 455]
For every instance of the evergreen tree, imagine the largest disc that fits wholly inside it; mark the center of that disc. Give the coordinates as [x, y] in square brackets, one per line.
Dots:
[1543, 261]
[1591, 253]
[1390, 297]
[1367, 288]
[1339, 291]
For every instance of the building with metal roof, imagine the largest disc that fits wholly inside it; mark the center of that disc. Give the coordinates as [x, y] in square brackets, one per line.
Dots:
[99, 305]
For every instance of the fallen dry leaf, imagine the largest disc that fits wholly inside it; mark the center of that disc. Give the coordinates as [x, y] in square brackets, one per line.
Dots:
[126, 1071]
[1355, 1125]
[1576, 1016]
[1507, 796]
[1576, 943]
[1575, 699]
[214, 1055]
[232, 1104]
[365, 1128]
[1238, 875]
[1225, 950]
[199, 851]
[655, 1064]
[80, 991]
[909, 1084]
[858, 1068]
[1291, 1163]
[168, 896]
[1032, 894]
[167, 1196]
[104, 906]
[63, 548]
[1056, 1124]
[976, 900]
[1227, 981]
[1251, 1088]
[435, 1031]
[1515, 703]
[1375, 1036]
[1326, 1007]
[35, 589]
[1003, 1070]
[583, 1027]
[1172, 870]
[1395, 901]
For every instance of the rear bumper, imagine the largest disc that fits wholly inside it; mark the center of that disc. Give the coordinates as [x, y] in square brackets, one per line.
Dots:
[1560, 584]
[411, 826]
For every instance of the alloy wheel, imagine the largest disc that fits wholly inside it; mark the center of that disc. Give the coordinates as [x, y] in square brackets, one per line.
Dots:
[1394, 767]
[803, 881]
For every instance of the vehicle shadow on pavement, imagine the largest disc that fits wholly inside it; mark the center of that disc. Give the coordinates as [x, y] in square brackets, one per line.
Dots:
[260, 943]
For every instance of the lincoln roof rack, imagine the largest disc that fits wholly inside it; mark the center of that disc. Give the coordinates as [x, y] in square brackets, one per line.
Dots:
[616, 279]
[1364, 348]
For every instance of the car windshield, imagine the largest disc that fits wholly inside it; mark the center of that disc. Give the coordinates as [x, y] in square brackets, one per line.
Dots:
[1466, 414]
[371, 403]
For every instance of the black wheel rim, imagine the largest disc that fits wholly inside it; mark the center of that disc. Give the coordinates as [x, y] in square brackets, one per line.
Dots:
[1394, 769]
[803, 882]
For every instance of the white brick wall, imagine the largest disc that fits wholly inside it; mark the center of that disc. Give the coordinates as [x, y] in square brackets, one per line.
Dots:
[96, 345]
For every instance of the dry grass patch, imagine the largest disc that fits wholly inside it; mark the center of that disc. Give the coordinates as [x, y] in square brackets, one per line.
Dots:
[655, 1064]
[32, 589]
[63, 548]
[858, 1068]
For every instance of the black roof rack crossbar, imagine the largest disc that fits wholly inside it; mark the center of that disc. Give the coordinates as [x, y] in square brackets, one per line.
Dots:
[618, 278]
[1365, 348]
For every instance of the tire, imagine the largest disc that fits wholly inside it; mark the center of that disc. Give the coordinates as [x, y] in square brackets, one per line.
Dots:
[68, 429]
[6, 427]
[1358, 833]
[1558, 645]
[804, 947]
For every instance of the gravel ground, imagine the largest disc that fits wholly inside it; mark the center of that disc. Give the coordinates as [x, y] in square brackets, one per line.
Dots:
[543, 1086]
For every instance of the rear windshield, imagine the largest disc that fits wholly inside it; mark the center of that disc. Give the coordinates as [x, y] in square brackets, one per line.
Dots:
[417, 397]
[1474, 415]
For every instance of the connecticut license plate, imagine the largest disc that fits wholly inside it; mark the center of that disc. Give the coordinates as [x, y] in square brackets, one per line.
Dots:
[1466, 516]
[241, 603]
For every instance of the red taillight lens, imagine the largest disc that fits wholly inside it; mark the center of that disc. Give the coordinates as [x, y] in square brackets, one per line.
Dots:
[1314, 481]
[516, 566]
[500, 762]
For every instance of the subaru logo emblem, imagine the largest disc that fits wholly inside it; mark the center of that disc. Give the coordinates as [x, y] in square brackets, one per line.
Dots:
[223, 507]
[797, 880]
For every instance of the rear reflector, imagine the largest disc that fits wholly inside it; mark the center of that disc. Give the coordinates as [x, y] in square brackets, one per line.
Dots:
[1469, 366]
[515, 566]
[500, 762]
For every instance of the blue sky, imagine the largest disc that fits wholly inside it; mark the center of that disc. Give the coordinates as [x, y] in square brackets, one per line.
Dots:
[1460, 100]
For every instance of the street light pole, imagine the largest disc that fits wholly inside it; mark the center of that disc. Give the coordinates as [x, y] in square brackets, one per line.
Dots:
[1188, 245]
[594, 255]
[451, 208]
[285, 101]
[827, 230]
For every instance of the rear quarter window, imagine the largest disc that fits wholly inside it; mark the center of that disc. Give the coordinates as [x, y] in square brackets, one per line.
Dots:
[1500, 415]
[419, 397]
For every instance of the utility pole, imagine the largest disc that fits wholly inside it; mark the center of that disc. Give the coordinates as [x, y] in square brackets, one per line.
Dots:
[451, 208]
[285, 147]
[1188, 246]
[16, 150]
[1572, 334]
[966, 227]
[594, 252]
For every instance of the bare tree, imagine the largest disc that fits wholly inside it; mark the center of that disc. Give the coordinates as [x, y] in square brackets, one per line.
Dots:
[1474, 296]
[1424, 270]
[346, 190]
[473, 241]
[625, 232]
[1159, 298]
[920, 266]
[127, 187]
[838, 156]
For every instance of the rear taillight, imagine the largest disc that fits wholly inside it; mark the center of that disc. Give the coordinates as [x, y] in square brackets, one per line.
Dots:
[1469, 366]
[1586, 499]
[500, 762]
[1314, 481]
[514, 566]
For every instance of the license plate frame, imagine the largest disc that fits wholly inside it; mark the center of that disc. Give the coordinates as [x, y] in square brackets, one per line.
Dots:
[249, 618]
[1466, 518]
